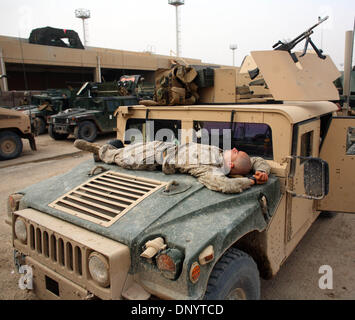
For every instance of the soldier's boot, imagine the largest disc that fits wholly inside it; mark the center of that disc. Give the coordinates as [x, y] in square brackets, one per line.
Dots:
[87, 146]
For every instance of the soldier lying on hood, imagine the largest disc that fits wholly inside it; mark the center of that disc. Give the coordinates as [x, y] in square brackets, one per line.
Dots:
[213, 167]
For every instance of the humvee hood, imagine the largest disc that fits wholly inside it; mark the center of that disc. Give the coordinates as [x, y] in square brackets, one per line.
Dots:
[190, 211]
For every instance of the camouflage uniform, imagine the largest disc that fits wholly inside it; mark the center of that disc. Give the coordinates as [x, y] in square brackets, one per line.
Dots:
[202, 161]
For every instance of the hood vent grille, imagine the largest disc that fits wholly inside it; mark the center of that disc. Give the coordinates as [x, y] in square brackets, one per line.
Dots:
[107, 197]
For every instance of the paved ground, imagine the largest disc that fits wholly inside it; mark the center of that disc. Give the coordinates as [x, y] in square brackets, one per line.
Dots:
[47, 149]
[330, 241]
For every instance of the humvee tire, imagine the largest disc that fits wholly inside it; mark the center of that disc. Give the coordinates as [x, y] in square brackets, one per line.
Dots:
[327, 214]
[55, 135]
[87, 131]
[234, 277]
[10, 145]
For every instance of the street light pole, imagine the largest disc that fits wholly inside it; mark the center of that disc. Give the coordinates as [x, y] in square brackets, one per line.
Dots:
[177, 3]
[233, 47]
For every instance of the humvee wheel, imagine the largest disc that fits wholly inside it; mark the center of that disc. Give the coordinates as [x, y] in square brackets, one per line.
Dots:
[327, 214]
[55, 135]
[10, 145]
[234, 277]
[87, 131]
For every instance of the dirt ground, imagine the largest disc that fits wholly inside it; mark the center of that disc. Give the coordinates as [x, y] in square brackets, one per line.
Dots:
[330, 241]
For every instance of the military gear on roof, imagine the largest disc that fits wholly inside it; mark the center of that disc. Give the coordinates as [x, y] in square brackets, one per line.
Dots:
[175, 87]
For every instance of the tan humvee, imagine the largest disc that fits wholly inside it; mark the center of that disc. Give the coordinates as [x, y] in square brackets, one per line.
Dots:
[14, 125]
[303, 140]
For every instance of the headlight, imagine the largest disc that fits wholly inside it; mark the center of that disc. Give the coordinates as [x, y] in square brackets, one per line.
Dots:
[20, 230]
[99, 269]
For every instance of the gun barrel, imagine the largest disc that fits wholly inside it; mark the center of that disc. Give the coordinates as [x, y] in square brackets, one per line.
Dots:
[288, 46]
[318, 23]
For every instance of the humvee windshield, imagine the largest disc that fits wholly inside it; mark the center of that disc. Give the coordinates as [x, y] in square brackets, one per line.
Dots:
[138, 130]
[253, 138]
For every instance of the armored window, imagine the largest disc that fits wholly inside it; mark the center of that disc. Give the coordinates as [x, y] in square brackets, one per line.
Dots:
[306, 145]
[139, 130]
[350, 141]
[253, 138]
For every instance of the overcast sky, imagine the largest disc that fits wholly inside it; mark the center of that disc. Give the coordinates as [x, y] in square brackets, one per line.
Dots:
[207, 27]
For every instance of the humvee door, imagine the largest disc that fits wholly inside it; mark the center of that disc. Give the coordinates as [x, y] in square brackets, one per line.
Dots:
[310, 79]
[338, 149]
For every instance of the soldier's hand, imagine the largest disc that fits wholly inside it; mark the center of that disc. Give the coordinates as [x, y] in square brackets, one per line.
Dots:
[261, 177]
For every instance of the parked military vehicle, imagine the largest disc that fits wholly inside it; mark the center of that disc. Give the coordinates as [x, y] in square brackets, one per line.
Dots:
[88, 117]
[139, 234]
[46, 104]
[127, 85]
[94, 106]
[14, 126]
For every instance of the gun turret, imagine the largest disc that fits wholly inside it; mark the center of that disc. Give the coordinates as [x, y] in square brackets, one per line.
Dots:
[288, 46]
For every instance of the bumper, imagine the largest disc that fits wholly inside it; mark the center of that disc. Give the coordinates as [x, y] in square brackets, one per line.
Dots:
[49, 285]
[58, 252]
[62, 128]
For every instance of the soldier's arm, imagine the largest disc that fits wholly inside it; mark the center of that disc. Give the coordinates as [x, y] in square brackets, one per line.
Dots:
[259, 164]
[217, 181]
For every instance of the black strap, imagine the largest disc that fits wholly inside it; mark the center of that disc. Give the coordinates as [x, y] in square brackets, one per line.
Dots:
[251, 177]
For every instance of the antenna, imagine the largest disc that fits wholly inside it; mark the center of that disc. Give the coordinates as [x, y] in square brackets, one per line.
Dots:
[83, 14]
[177, 3]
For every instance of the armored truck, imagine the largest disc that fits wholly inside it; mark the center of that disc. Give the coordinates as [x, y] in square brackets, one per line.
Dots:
[14, 126]
[94, 106]
[46, 104]
[89, 117]
[129, 234]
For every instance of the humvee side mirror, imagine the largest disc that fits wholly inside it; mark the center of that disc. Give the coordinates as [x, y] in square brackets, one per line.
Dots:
[316, 178]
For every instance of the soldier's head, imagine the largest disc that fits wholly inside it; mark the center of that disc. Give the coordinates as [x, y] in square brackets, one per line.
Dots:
[237, 162]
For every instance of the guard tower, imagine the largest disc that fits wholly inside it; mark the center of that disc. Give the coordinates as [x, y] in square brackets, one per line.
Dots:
[83, 14]
[177, 4]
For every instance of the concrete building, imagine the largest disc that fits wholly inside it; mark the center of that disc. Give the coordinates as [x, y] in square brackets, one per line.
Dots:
[39, 67]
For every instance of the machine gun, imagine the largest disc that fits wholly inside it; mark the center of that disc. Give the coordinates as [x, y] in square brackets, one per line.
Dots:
[288, 46]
